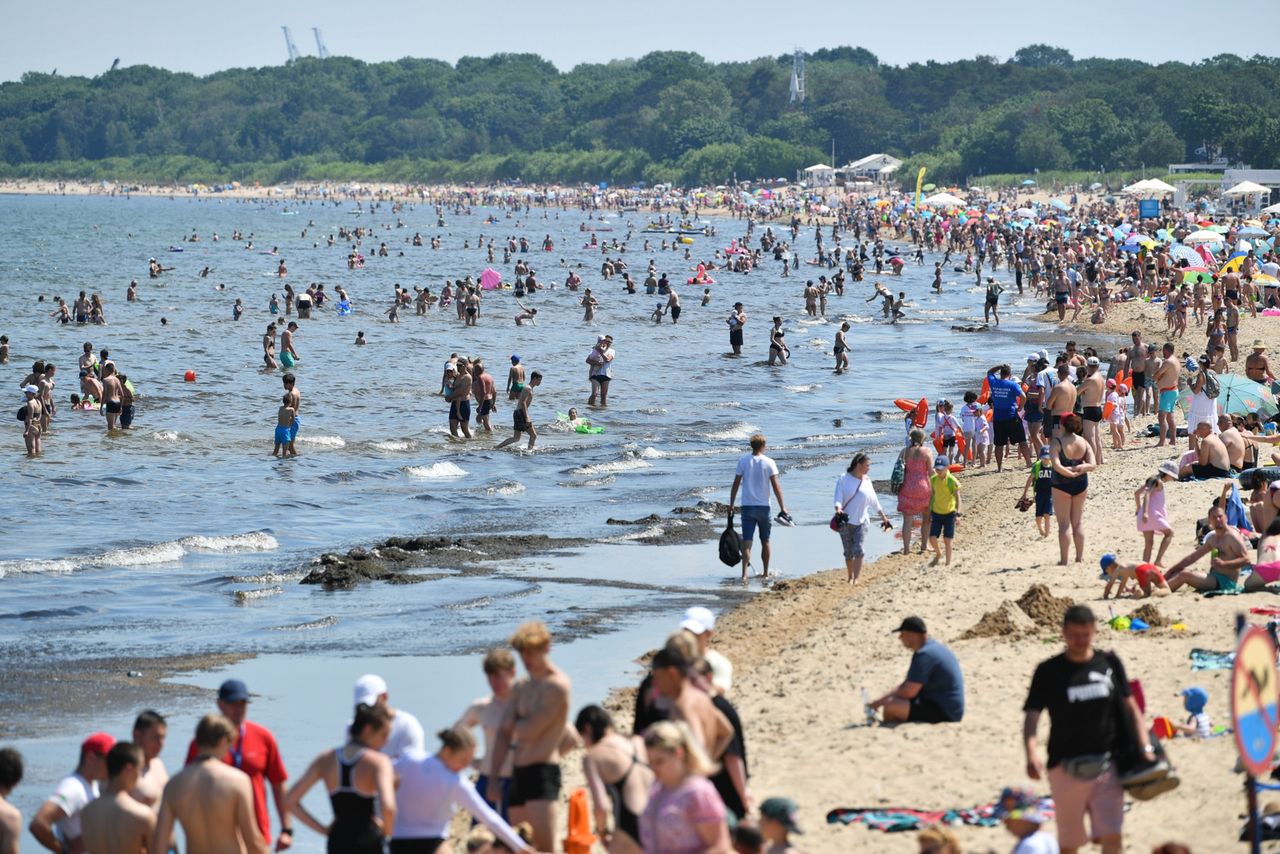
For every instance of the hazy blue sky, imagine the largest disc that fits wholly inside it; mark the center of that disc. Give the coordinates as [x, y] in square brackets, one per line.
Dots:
[83, 36]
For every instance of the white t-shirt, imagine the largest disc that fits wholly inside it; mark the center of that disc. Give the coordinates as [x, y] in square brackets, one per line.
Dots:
[406, 735]
[72, 795]
[755, 471]
[1037, 843]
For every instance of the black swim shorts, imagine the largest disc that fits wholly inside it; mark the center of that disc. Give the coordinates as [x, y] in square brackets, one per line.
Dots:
[460, 410]
[1009, 432]
[486, 406]
[520, 420]
[1091, 413]
[540, 782]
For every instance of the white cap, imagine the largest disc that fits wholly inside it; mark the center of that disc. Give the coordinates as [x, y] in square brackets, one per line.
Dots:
[31, 389]
[369, 688]
[698, 620]
[721, 670]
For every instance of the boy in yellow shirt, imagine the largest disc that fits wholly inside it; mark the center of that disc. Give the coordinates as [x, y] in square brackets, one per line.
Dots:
[944, 507]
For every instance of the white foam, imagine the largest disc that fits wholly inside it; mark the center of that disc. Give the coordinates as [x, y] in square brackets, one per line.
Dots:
[652, 531]
[18, 567]
[394, 445]
[728, 404]
[261, 593]
[167, 436]
[140, 555]
[513, 487]
[652, 454]
[739, 430]
[651, 410]
[254, 541]
[612, 467]
[436, 471]
[324, 441]
[801, 389]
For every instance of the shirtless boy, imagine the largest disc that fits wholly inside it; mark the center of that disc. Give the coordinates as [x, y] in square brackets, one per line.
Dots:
[534, 726]
[211, 800]
[520, 415]
[284, 422]
[10, 818]
[115, 823]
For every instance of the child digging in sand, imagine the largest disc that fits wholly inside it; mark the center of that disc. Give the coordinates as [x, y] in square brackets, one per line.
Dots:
[1149, 500]
[1146, 577]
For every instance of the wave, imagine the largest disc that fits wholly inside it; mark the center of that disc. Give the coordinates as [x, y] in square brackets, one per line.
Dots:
[394, 445]
[436, 471]
[612, 467]
[242, 596]
[322, 623]
[168, 436]
[801, 389]
[324, 441]
[739, 430]
[147, 555]
[505, 487]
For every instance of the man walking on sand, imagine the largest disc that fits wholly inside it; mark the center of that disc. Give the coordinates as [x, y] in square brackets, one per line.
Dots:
[755, 475]
[1166, 382]
[212, 801]
[534, 727]
[1088, 698]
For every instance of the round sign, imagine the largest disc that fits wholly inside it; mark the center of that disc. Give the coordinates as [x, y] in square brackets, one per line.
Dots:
[1255, 700]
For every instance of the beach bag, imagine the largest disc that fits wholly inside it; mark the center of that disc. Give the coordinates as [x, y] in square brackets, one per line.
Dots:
[1211, 386]
[730, 545]
[899, 475]
[22, 413]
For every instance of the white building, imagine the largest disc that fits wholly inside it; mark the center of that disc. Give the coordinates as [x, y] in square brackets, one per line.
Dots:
[873, 167]
[820, 175]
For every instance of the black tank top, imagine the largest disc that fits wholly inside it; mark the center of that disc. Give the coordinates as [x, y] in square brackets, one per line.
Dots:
[353, 829]
[623, 818]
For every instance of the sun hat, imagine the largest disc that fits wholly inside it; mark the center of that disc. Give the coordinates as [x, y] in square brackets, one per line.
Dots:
[1105, 562]
[1258, 345]
[1170, 468]
[1019, 804]
[31, 389]
[1195, 699]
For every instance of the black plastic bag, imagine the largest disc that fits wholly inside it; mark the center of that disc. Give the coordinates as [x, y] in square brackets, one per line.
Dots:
[730, 545]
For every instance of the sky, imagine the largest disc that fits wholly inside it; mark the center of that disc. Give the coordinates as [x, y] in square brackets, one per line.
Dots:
[83, 37]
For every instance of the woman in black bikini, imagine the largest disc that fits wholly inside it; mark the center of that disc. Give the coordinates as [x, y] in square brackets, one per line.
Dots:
[1072, 461]
[618, 776]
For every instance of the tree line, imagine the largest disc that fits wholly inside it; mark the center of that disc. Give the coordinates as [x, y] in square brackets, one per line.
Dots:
[669, 117]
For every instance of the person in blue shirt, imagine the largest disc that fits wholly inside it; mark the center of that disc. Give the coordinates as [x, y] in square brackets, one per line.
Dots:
[1006, 423]
[933, 691]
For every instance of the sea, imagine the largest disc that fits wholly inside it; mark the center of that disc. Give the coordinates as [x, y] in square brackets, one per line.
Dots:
[185, 536]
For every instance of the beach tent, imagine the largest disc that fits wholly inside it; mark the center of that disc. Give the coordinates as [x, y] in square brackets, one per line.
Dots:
[1246, 188]
[944, 200]
[1149, 187]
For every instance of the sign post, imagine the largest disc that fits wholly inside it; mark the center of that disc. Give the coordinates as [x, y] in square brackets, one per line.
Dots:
[1255, 706]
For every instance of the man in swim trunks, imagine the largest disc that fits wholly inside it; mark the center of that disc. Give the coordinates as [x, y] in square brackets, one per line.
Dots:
[1232, 555]
[736, 320]
[288, 355]
[1214, 460]
[1093, 389]
[485, 391]
[112, 395]
[1138, 367]
[1233, 442]
[520, 415]
[534, 726]
[459, 396]
[1166, 381]
[1061, 401]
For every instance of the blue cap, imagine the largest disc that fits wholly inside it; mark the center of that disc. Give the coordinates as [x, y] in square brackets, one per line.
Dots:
[1194, 699]
[515, 359]
[941, 462]
[233, 691]
[1106, 560]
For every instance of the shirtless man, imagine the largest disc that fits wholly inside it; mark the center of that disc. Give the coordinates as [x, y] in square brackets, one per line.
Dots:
[534, 727]
[520, 415]
[1255, 364]
[289, 356]
[1232, 440]
[212, 800]
[459, 397]
[485, 392]
[1166, 388]
[10, 817]
[87, 359]
[687, 703]
[588, 303]
[31, 422]
[1138, 365]
[1062, 400]
[1232, 555]
[1093, 389]
[149, 731]
[1214, 460]
[115, 823]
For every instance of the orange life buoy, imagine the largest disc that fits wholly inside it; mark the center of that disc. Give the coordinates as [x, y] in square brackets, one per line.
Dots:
[937, 444]
[905, 405]
[956, 468]
[985, 394]
[1107, 410]
[922, 412]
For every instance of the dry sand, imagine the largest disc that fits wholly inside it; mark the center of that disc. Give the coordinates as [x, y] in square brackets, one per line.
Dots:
[804, 652]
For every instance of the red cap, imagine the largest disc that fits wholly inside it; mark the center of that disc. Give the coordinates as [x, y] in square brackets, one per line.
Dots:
[99, 743]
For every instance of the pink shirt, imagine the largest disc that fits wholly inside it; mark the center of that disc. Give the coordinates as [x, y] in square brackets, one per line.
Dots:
[670, 821]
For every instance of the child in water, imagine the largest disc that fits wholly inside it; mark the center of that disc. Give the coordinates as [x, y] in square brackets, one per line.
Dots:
[360, 342]
[284, 435]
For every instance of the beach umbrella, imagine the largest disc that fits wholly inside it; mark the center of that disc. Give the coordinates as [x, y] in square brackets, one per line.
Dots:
[490, 279]
[1246, 188]
[1202, 236]
[1024, 212]
[1240, 395]
[1264, 279]
[1059, 205]
[1028, 183]
[1252, 231]
[1095, 186]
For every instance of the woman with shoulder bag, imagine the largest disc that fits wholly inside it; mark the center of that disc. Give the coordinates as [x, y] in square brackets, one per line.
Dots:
[854, 498]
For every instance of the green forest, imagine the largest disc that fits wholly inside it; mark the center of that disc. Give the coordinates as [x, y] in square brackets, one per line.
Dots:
[669, 117]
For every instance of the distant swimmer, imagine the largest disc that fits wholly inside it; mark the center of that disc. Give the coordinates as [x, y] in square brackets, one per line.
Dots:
[360, 342]
[526, 315]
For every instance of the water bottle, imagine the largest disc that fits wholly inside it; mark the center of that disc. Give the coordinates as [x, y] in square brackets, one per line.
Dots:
[866, 706]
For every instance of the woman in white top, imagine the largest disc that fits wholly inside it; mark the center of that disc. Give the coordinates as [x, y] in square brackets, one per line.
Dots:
[432, 788]
[854, 498]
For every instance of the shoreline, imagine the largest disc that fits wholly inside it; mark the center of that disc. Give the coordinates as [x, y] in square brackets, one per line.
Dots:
[803, 653]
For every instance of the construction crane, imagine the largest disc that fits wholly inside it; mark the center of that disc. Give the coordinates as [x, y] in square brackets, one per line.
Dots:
[293, 48]
[321, 50]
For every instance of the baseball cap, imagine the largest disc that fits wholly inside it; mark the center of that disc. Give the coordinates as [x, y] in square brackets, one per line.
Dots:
[1111, 383]
[1093, 360]
[233, 691]
[1045, 452]
[911, 624]
[31, 389]
[698, 620]
[368, 688]
[99, 744]
[1033, 357]
[940, 462]
[1105, 561]
[783, 811]
[1019, 803]
[515, 360]
[1195, 699]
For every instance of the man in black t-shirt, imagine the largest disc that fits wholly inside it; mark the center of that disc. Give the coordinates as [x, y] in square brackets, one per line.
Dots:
[1087, 694]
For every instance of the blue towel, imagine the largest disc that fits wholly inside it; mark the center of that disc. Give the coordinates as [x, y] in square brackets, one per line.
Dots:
[1208, 659]
[1237, 514]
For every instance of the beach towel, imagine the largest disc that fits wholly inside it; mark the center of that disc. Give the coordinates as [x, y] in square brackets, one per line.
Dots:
[1237, 515]
[1208, 659]
[899, 819]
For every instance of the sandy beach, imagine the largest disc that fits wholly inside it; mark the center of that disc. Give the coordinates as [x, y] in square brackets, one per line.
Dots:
[804, 652]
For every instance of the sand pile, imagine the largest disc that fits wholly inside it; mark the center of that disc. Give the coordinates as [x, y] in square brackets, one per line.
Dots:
[1151, 615]
[1009, 620]
[1043, 607]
